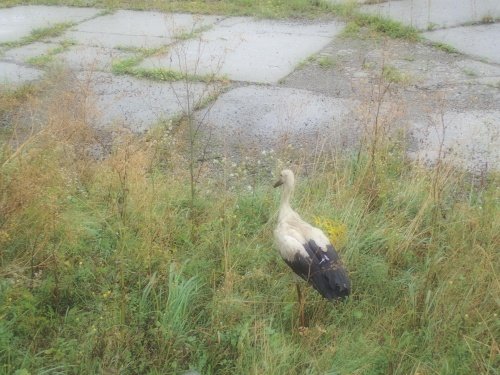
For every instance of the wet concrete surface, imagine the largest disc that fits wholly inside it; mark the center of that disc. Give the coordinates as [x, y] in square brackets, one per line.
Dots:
[137, 29]
[432, 82]
[244, 49]
[136, 104]
[266, 115]
[18, 22]
[23, 54]
[81, 57]
[278, 94]
[14, 74]
[482, 41]
[433, 14]
[469, 138]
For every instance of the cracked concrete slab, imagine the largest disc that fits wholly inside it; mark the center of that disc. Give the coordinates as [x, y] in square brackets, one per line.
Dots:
[83, 57]
[18, 22]
[24, 53]
[482, 41]
[317, 101]
[471, 139]
[262, 115]
[136, 103]
[14, 74]
[244, 49]
[466, 90]
[137, 29]
[424, 14]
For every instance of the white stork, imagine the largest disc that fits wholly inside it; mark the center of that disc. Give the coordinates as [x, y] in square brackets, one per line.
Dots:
[307, 250]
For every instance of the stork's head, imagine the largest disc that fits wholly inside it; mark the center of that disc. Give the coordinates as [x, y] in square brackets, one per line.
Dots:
[286, 178]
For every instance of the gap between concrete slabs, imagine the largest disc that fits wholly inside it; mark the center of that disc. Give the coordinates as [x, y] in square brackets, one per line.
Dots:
[244, 49]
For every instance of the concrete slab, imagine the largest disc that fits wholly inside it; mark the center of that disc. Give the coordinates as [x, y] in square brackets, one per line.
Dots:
[482, 40]
[18, 22]
[137, 29]
[21, 54]
[15, 74]
[244, 49]
[135, 103]
[91, 58]
[261, 115]
[471, 139]
[426, 14]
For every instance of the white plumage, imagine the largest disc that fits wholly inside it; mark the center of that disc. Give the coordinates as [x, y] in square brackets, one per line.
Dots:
[306, 249]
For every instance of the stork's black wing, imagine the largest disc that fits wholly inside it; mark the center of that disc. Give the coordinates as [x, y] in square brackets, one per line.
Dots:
[323, 270]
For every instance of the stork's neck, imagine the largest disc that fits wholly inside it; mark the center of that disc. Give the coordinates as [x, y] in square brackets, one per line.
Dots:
[285, 208]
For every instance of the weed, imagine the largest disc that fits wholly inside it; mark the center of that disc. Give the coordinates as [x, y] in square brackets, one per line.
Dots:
[130, 66]
[126, 66]
[46, 59]
[267, 9]
[351, 30]
[101, 271]
[470, 72]
[191, 34]
[393, 75]
[444, 47]
[387, 27]
[432, 26]
[302, 64]
[40, 34]
[42, 60]
[488, 19]
[326, 62]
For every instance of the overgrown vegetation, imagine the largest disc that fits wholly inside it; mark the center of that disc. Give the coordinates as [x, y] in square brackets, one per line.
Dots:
[262, 8]
[108, 266]
[347, 10]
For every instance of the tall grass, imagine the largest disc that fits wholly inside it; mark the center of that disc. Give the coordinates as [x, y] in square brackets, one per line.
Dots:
[106, 268]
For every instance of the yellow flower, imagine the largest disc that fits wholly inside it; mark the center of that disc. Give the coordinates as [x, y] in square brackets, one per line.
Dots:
[4, 236]
[336, 231]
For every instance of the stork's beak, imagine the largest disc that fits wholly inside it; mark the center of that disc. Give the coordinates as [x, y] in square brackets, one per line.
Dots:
[278, 183]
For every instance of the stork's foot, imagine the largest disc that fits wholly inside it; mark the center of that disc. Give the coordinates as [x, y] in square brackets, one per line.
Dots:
[303, 331]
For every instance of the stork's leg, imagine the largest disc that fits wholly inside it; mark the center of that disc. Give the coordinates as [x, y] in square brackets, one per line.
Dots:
[301, 306]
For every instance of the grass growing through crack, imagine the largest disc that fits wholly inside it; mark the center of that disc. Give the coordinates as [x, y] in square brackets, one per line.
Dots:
[47, 58]
[40, 34]
[260, 8]
[444, 47]
[106, 268]
[326, 62]
[349, 11]
[130, 66]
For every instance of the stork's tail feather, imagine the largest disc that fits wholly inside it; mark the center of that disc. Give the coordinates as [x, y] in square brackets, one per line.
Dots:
[333, 285]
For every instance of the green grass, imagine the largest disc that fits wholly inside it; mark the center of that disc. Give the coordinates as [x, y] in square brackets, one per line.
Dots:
[108, 267]
[130, 66]
[444, 47]
[47, 58]
[384, 26]
[311, 9]
[260, 8]
[326, 62]
[40, 34]
[394, 75]
[470, 72]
